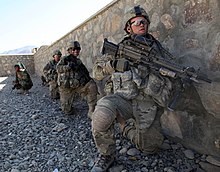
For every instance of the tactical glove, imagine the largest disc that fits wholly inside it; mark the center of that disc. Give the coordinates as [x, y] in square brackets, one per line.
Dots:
[120, 65]
[72, 65]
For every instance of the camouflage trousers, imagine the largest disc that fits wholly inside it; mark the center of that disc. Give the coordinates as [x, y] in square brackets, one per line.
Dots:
[114, 109]
[89, 92]
[54, 90]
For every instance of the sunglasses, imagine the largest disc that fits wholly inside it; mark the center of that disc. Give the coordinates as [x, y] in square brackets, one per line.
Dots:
[77, 48]
[139, 22]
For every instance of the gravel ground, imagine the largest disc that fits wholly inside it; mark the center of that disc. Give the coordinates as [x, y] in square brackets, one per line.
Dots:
[35, 136]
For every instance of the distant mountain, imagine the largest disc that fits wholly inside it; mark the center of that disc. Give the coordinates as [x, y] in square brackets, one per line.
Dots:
[22, 50]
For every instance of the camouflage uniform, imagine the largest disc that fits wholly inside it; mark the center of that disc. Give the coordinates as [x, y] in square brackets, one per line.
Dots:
[132, 104]
[140, 97]
[51, 76]
[23, 80]
[135, 93]
[73, 77]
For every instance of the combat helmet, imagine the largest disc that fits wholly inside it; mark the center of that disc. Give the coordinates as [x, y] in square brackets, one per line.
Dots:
[57, 52]
[21, 66]
[136, 11]
[73, 44]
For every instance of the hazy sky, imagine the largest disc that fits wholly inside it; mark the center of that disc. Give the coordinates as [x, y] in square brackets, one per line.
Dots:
[42, 22]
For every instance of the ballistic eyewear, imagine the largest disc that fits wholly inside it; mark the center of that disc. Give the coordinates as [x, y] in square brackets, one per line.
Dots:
[75, 48]
[139, 22]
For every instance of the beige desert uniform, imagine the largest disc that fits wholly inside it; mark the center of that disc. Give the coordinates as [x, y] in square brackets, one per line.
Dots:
[73, 77]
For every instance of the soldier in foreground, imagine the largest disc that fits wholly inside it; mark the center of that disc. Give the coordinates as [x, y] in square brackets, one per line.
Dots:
[73, 77]
[23, 82]
[139, 91]
[51, 75]
[132, 103]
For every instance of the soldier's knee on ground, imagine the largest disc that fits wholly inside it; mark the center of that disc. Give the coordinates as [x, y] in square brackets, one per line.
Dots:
[149, 141]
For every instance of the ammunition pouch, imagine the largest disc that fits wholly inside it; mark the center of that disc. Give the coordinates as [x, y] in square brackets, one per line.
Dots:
[74, 83]
[72, 80]
[159, 88]
[51, 76]
[63, 80]
[124, 85]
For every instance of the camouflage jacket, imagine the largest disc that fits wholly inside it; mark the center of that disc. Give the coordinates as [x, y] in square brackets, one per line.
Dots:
[138, 82]
[23, 78]
[50, 72]
[72, 73]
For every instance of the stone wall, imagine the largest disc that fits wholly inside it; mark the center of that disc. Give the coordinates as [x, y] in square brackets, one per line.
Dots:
[7, 63]
[190, 30]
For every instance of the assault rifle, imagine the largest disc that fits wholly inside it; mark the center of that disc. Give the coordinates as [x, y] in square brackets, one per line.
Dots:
[139, 52]
[13, 87]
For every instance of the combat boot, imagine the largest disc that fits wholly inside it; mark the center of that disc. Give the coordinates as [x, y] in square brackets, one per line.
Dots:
[103, 163]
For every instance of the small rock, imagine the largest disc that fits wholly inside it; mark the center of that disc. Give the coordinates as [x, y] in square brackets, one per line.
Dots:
[189, 154]
[15, 170]
[213, 160]
[133, 152]
[60, 127]
[123, 151]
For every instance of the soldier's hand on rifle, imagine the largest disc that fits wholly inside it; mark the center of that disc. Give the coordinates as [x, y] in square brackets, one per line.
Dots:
[71, 65]
[120, 65]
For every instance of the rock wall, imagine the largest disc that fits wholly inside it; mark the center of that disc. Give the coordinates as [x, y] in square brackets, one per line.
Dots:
[190, 30]
[7, 63]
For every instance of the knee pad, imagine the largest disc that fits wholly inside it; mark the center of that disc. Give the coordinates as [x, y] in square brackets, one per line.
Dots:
[102, 118]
